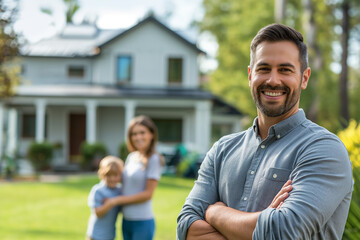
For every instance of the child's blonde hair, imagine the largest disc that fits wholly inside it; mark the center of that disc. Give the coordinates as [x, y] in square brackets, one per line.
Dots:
[110, 165]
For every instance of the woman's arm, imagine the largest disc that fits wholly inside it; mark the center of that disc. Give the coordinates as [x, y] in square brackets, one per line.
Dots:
[140, 197]
[104, 209]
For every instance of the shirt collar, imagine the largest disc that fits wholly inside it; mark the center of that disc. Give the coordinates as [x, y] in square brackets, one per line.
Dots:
[282, 128]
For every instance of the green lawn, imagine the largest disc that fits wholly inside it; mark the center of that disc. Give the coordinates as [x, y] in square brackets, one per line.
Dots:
[35, 210]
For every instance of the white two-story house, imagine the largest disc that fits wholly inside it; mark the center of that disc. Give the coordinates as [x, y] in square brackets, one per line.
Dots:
[86, 84]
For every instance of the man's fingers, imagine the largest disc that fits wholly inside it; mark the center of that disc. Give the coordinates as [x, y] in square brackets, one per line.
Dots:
[281, 195]
[277, 201]
[285, 188]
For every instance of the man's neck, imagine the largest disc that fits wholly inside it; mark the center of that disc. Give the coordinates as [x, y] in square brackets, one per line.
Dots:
[265, 122]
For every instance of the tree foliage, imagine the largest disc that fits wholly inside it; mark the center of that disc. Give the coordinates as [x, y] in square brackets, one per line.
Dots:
[9, 48]
[235, 23]
[72, 6]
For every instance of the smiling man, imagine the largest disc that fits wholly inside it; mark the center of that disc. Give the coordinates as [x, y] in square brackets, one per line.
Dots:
[240, 191]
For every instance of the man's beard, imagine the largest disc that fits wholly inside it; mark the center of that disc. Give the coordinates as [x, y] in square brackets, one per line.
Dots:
[290, 101]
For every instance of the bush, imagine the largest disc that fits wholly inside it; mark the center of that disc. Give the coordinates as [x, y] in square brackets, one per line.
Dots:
[40, 155]
[189, 165]
[91, 154]
[351, 138]
[123, 151]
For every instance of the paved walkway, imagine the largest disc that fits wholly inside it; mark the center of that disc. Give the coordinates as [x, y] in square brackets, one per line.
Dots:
[47, 177]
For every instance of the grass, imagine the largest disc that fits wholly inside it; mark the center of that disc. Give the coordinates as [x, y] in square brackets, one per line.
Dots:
[42, 211]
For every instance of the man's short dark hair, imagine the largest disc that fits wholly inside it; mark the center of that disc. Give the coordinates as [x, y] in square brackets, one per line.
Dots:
[278, 32]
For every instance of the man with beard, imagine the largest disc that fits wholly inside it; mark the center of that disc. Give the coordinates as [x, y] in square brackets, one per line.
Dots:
[240, 191]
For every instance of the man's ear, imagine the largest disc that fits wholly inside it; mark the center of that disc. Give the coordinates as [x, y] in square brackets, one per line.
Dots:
[305, 78]
[249, 74]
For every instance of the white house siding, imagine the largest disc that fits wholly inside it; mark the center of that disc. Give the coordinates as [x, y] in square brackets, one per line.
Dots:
[111, 127]
[150, 49]
[54, 70]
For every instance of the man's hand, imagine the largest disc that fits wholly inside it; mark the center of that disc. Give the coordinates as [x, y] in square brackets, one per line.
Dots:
[281, 196]
[234, 224]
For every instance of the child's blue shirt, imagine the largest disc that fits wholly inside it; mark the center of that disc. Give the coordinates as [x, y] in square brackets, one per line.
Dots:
[102, 228]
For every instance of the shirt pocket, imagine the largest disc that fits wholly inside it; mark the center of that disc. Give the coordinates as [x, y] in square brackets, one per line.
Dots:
[270, 185]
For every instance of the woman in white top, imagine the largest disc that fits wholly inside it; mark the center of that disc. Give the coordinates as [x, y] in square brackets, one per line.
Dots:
[140, 178]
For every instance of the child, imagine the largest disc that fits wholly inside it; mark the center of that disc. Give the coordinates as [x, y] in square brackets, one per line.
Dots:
[103, 217]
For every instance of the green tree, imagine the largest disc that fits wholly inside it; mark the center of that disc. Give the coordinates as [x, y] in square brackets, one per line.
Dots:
[72, 6]
[234, 24]
[350, 30]
[9, 49]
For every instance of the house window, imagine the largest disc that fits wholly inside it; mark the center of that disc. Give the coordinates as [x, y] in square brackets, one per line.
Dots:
[28, 126]
[175, 70]
[123, 68]
[169, 130]
[76, 71]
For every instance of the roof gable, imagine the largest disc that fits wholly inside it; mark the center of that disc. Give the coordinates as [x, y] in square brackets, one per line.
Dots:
[85, 41]
[161, 25]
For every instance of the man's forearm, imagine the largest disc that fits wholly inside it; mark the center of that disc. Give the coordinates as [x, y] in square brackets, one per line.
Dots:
[231, 223]
[201, 230]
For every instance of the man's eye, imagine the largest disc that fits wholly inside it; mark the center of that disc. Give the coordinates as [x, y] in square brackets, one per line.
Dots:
[285, 70]
[263, 69]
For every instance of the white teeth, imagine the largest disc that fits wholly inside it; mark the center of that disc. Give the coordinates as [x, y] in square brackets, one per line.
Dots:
[273, 94]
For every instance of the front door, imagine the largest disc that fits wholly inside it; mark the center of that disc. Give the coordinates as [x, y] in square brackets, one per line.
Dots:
[77, 135]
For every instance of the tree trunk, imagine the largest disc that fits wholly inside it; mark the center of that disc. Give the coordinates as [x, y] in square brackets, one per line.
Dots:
[344, 102]
[316, 60]
[280, 6]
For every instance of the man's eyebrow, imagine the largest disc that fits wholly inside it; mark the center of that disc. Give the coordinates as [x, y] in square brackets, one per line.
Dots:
[262, 64]
[280, 65]
[286, 65]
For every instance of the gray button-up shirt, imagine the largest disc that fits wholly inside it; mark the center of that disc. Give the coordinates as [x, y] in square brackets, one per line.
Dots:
[246, 173]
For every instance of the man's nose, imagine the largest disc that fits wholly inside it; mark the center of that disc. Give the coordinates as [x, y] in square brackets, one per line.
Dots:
[274, 78]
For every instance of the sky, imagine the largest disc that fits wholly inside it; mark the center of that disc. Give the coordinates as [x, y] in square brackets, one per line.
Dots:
[35, 25]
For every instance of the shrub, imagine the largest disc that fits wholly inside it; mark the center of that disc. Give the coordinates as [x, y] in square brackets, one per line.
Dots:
[123, 151]
[91, 154]
[40, 155]
[351, 138]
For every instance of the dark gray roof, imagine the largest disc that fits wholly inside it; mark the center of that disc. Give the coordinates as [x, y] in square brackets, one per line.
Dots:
[86, 40]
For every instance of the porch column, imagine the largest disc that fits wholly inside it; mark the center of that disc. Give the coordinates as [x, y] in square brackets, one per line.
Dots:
[12, 132]
[2, 115]
[40, 120]
[91, 107]
[202, 126]
[129, 114]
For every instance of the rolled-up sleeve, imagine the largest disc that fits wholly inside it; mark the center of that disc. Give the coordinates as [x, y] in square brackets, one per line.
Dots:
[201, 196]
[322, 187]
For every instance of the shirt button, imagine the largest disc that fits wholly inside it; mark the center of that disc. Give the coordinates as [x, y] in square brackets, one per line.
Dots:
[274, 175]
[262, 146]
[278, 136]
[245, 198]
[252, 172]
